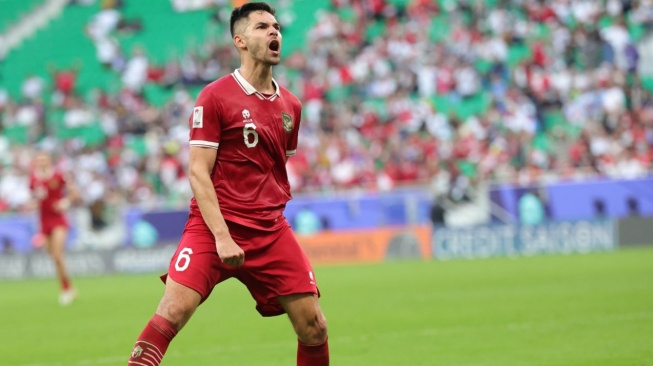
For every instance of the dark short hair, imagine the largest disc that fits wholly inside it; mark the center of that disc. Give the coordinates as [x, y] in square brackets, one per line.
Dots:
[242, 12]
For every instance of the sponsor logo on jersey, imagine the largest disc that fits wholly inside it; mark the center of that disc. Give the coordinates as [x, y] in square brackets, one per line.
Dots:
[287, 121]
[198, 117]
[247, 116]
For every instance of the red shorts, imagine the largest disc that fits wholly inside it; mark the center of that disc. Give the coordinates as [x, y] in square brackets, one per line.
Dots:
[50, 223]
[275, 264]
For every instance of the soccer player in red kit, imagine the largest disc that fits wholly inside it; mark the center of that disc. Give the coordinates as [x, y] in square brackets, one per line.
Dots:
[242, 130]
[49, 188]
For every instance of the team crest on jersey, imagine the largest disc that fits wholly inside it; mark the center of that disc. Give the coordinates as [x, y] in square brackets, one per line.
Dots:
[198, 117]
[287, 121]
[54, 184]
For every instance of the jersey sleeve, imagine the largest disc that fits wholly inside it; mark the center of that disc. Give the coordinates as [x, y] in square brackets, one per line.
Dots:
[62, 181]
[205, 122]
[291, 145]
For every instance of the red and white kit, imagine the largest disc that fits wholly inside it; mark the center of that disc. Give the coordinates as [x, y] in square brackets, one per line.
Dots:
[49, 190]
[254, 134]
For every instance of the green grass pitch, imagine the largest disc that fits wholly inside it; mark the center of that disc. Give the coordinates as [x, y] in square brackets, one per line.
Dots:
[575, 310]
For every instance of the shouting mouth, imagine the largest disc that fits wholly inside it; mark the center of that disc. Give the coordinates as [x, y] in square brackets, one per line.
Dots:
[275, 46]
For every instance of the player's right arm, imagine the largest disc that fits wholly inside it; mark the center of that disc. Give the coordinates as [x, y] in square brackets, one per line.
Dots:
[201, 163]
[205, 134]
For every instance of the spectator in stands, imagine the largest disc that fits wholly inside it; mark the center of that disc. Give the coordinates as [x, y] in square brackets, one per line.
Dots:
[307, 222]
[599, 209]
[14, 189]
[33, 87]
[7, 246]
[81, 2]
[517, 92]
[64, 80]
[633, 207]
[134, 75]
[531, 208]
[438, 211]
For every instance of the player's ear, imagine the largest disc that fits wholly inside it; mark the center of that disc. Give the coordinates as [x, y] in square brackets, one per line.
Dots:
[239, 41]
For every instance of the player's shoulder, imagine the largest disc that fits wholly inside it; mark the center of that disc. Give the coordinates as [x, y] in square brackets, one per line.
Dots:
[60, 174]
[292, 98]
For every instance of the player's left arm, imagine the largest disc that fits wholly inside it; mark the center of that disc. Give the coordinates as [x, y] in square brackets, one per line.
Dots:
[36, 196]
[291, 144]
[71, 193]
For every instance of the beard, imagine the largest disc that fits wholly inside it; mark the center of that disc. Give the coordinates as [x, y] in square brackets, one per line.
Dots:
[261, 53]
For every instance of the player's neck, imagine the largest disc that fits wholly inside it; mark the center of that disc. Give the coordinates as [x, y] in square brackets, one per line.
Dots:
[44, 173]
[259, 76]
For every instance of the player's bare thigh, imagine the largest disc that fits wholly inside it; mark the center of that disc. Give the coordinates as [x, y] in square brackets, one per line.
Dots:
[178, 303]
[55, 243]
[306, 316]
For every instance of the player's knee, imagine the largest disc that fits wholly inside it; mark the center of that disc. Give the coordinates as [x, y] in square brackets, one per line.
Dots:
[320, 327]
[313, 331]
[57, 257]
[177, 312]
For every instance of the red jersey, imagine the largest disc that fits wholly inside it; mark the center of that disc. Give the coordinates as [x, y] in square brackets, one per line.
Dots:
[254, 134]
[48, 191]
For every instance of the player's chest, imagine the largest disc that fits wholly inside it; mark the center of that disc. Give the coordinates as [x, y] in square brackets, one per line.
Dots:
[267, 124]
[47, 188]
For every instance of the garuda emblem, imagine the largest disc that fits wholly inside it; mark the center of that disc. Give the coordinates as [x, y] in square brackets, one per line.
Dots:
[287, 121]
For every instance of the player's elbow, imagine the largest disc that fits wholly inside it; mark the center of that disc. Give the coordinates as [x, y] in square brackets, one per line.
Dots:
[197, 175]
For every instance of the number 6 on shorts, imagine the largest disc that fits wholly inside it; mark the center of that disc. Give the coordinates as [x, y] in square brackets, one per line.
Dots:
[183, 259]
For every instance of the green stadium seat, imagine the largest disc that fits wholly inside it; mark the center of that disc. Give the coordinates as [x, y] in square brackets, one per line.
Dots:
[636, 31]
[51, 45]
[439, 28]
[402, 3]
[156, 94]
[542, 142]
[647, 83]
[482, 66]
[463, 108]
[468, 168]
[14, 10]
[339, 93]
[378, 105]
[554, 119]
[16, 134]
[160, 40]
[137, 144]
[294, 35]
[517, 53]
[375, 30]
[346, 14]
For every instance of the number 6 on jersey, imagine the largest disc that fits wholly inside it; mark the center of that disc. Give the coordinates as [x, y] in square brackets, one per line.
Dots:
[250, 129]
[183, 259]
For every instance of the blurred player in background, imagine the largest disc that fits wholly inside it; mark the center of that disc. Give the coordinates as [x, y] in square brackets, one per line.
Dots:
[243, 129]
[54, 196]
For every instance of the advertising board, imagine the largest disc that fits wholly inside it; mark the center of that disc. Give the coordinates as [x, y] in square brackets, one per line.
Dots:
[582, 236]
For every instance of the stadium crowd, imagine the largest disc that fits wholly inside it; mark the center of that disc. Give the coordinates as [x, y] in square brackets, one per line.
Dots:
[453, 92]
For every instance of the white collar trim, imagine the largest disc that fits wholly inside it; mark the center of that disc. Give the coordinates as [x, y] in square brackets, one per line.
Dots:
[249, 89]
